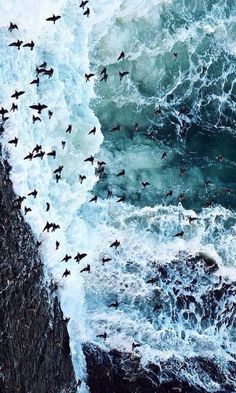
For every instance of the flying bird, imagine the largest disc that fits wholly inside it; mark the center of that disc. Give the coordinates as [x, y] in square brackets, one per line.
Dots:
[121, 56]
[87, 12]
[17, 94]
[38, 107]
[53, 18]
[29, 45]
[17, 44]
[13, 141]
[79, 257]
[83, 3]
[12, 27]
[115, 244]
[122, 74]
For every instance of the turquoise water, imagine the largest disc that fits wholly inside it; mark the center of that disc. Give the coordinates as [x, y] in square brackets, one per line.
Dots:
[181, 59]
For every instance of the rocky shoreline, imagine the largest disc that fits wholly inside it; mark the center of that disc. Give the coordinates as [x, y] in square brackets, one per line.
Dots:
[34, 343]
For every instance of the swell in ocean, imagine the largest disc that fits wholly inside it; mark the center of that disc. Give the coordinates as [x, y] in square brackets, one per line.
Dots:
[178, 99]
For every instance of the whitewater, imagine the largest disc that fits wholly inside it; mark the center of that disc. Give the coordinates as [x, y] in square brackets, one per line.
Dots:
[149, 32]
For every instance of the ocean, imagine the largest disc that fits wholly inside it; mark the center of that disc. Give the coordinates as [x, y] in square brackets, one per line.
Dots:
[174, 115]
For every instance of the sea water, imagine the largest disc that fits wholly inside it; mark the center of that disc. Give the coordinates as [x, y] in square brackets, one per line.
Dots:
[194, 91]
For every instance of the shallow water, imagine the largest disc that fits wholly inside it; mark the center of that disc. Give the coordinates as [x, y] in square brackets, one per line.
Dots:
[200, 84]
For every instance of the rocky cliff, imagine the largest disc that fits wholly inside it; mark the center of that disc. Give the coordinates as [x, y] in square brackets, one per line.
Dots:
[34, 343]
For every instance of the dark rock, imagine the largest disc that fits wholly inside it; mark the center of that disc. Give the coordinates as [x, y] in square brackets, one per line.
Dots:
[34, 343]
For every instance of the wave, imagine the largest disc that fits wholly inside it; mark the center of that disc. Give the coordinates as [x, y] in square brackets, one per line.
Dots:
[149, 32]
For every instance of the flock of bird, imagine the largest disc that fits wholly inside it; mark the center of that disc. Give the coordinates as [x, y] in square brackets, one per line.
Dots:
[38, 152]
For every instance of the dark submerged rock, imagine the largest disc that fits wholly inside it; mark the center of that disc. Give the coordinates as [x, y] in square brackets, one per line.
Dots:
[34, 343]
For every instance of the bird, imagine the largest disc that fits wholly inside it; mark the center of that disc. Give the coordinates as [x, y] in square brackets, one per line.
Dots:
[179, 234]
[89, 159]
[27, 210]
[122, 74]
[93, 131]
[115, 244]
[116, 128]
[163, 155]
[191, 219]
[59, 169]
[35, 82]
[50, 113]
[37, 149]
[135, 345]
[17, 44]
[207, 182]
[135, 127]
[104, 71]
[157, 111]
[14, 141]
[36, 118]
[180, 197]
[63, 143]
[33, 193]
[182, 171]
[169, 193]
[29, 45]
[14, 107]
[175, 54]
[109, 194]
[39, 155]
[79, 256]
[94, 199]
[66, 258]
[157, 307]
[54, 227]
[47, 227]
[101, 163]
[113, 305]
[145, 184]
[29, 157]
[121, 173]
[53, 18]
[66, 273]
[58, 177]
[204, 70]
[151, 281]
[121, 199]
[69, 128]
[85, 269]
[104, 260]
[17, 94]
[87, 12]
[104, 336]
[12, 27]
[88, 76]
[3, 111]
[47, 206]
[121, 56]
[39, 107]
[104, 78]
[220, 158]
[83, 3]
[82, 178]
[57, 244]
[52, 154]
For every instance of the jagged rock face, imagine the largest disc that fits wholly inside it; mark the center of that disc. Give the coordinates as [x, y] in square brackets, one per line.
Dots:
[192, 289]
[34, 343]
[118, 372]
